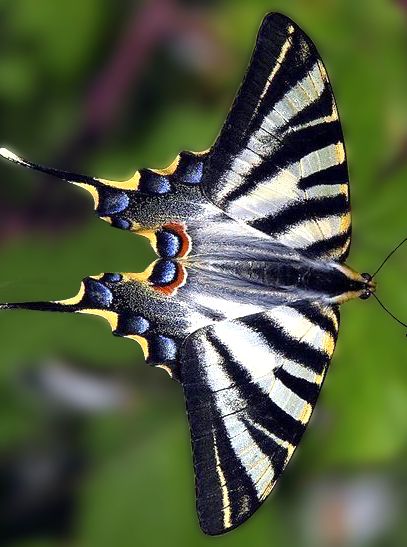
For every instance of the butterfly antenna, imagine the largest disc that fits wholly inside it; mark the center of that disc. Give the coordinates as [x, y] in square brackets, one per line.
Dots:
[389, 312]
[388, 256]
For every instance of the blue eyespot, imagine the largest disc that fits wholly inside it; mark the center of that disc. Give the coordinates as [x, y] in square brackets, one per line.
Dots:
[133, 324]
[194, 174]
[98, 294]
[130, 323]
[162, 349]
[152, 183]
[121, 223]
[164, 272]
[112, 277]
[168, 244]
[112, 202]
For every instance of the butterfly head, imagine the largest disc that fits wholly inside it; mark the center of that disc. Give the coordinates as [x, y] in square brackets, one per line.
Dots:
[369, 286]
[351, 284]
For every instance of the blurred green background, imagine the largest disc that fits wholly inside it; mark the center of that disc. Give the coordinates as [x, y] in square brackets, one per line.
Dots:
[94, 445]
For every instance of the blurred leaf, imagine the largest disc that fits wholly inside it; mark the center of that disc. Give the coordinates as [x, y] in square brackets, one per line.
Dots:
[141, 489]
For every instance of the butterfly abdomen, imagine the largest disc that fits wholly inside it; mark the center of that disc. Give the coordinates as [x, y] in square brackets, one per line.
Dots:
[297, 279]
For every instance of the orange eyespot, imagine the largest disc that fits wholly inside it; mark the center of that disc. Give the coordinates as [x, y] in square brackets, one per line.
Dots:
[178, 281]
[180, 231]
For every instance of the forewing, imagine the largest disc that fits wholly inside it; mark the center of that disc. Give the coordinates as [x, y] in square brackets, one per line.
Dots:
[250, 386]
[279, 163]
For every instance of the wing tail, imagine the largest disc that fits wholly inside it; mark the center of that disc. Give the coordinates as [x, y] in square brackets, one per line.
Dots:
[147, 200]
[134, 307]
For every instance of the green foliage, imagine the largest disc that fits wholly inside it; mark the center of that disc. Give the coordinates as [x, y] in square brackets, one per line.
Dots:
[140, 490]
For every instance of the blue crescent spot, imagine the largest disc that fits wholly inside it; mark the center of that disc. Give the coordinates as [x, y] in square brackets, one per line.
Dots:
[133, 324]
[113, 202]
[164, 272]
[194, 174]
[98, 294]
[168, 244]
[121, 223]
[112, 277]
[162, 349]
[151, 183]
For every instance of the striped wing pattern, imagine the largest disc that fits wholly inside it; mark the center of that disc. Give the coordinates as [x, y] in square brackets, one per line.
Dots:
[250, 386]
[279, 163]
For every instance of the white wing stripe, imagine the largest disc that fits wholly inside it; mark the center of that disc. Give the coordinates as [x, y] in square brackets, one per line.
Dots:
[264, 141]
[289, 401]
[268, 197]
[256, 464]
[321, 159]
[300, 371]
[249, 349]
[279, 61]
[304, 93]
[299, 327]
[273, 195]
[311, 231]
[227, 521]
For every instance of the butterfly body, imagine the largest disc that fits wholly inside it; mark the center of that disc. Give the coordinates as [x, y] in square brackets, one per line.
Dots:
[242, 304]
[290, 279]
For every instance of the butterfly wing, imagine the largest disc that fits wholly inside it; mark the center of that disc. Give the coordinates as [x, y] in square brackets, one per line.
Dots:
[182, 291]
[279, 163]
[250, 386]
[147, 200]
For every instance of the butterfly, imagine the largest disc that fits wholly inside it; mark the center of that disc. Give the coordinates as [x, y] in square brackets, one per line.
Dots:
[241, 306]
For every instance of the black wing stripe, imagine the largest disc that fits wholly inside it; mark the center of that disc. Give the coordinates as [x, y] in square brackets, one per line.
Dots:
[325, 247]
[293, 148]
[319, 111]
[289, 347]
[275, 35]
[254, 399]
[233, 498]
[296, 65]
[297, 101]
[314, 313]
[279, 423]
[336, 174]
[301, 212]
[303, 388]
[277, 452]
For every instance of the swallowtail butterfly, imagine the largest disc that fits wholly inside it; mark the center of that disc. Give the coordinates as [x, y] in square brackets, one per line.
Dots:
[242, 305]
